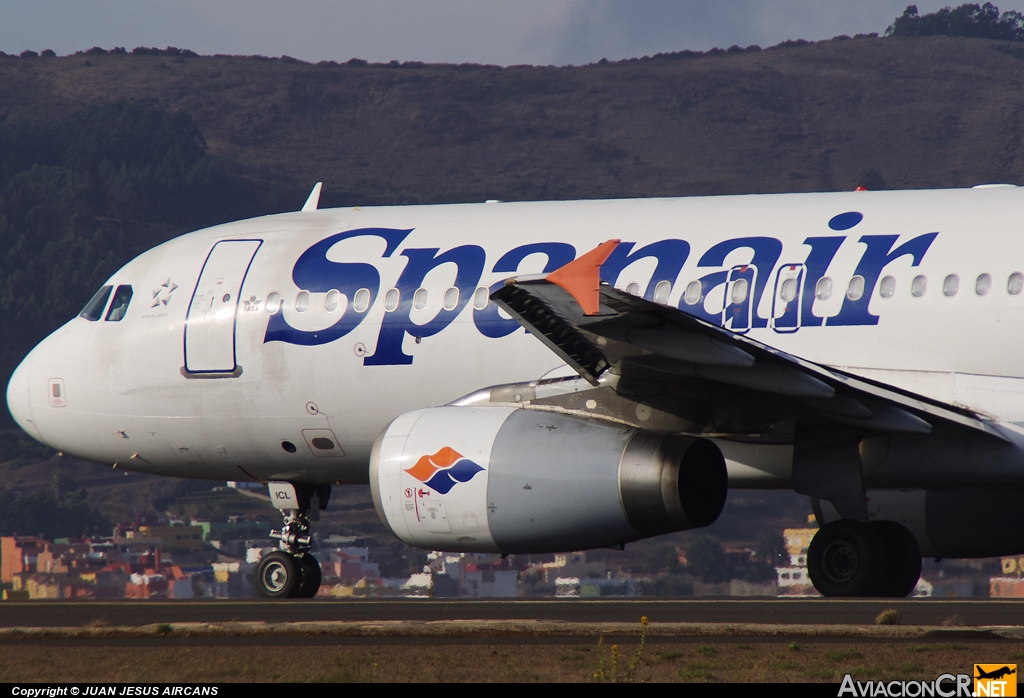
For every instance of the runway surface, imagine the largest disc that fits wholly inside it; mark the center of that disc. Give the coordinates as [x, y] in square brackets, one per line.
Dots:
[962, 613]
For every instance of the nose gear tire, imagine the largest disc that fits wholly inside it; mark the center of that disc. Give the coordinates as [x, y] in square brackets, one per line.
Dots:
[277, 576]
[310, 583]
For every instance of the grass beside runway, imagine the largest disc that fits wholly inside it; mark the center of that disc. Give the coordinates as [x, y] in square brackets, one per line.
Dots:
[498, 651]
[590, 660]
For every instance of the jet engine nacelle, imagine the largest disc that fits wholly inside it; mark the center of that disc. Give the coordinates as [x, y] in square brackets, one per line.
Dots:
[497, 479]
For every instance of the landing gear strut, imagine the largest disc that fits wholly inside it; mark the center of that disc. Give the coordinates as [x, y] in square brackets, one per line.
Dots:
[292, 571]
[854, 558]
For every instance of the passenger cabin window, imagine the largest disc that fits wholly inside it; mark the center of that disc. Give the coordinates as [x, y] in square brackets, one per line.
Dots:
[918, 286]
[361, 301]
[823, 289]
[419, 299]
[302, 302]
[887, 289]
[94, 308]
[788, 292]
[951, 285]
[983, 285]
[274, 303]
[692, 293]
[1015, 284]
[856, 288]
[119, 306]
[332, 301]
[661, 292]
[480, 298]
[739, 291]
[451, 299]
[633, 288]
[391, 299]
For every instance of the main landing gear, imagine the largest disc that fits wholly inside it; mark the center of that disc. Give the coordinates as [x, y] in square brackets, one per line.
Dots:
[854, 558]
[292, 572]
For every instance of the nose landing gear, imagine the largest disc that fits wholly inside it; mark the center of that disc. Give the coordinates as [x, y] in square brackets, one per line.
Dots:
[292, 572]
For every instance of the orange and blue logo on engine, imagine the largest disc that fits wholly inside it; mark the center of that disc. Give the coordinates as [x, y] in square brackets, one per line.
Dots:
[442, 470]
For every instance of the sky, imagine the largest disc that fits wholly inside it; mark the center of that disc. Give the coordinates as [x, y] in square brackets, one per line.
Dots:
[500, 32]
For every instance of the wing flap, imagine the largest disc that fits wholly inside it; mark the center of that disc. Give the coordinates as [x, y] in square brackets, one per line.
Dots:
[687, 346]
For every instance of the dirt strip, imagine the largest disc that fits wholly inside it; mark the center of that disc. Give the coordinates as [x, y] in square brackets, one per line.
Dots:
[498, 628]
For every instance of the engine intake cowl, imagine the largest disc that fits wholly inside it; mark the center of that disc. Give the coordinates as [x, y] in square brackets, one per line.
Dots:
[497, 479]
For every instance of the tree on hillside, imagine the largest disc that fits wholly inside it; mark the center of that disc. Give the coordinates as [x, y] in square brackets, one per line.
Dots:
[664, 558]
[61, 512]
[705, 558]
[968, 20]
[770, 547]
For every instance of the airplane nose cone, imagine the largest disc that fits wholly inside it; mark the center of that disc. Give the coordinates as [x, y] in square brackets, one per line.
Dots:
[19, 401]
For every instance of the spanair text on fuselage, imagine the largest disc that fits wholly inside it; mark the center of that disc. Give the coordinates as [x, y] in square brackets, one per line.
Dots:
[315, 329]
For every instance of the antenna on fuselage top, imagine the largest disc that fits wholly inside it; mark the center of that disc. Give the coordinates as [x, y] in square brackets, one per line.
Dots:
[314, 198]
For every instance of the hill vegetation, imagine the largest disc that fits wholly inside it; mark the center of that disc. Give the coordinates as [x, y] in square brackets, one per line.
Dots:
[970, 20]
[59, 511]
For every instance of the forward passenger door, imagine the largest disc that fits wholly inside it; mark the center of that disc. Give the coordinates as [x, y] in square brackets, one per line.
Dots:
[210, 324]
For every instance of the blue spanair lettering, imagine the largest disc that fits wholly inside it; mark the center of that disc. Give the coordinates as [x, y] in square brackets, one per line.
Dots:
[671, 256]
[315, 273]
[823, 251]
[469, 261]
[766, 252]
[879, 253]
[488, 321]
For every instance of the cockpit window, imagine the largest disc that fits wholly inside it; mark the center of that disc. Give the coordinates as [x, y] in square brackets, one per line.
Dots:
[119, 306]
[94, 308]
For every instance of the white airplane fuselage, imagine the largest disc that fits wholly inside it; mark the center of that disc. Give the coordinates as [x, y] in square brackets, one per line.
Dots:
[199, 379]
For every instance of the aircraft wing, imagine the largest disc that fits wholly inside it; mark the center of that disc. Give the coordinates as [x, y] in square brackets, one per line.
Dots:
[598, 329]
